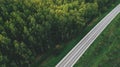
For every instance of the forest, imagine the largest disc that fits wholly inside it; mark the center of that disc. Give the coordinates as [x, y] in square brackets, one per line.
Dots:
[29, 28]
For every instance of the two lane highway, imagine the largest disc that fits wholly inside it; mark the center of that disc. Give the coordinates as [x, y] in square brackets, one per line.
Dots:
[73, 56]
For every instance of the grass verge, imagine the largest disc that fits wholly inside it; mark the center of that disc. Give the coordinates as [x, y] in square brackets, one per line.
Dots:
[104, 52]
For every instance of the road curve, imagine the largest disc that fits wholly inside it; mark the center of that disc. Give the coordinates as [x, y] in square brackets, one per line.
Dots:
[73, 56]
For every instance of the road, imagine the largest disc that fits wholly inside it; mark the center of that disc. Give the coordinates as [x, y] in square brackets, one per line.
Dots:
[73, 56]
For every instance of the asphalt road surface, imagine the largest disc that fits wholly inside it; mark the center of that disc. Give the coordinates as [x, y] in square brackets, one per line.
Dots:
[73, 56]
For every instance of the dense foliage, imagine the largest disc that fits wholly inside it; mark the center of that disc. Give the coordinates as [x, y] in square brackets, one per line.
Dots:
[31, 27]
